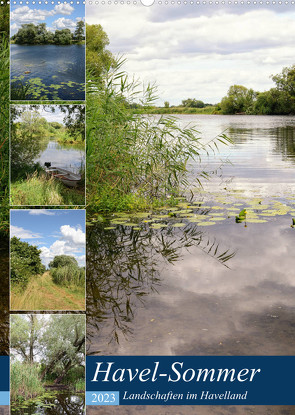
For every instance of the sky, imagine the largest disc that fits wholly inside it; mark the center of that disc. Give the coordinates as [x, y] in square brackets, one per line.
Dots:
[56, 116]
[60, 16]
[193, 51]
[54, 231]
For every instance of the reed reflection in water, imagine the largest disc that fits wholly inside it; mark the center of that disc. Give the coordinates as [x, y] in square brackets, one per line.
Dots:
[124, 266]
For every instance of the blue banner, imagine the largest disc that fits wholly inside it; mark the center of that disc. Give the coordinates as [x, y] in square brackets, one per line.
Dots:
[190, 380]
[4, 380]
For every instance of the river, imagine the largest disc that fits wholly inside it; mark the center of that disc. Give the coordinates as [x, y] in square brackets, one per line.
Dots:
[56, 72]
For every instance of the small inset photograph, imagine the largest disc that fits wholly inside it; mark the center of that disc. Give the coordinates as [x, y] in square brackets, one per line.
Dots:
[47, 51]
[47, 366]
[47, 259]
[47, 155]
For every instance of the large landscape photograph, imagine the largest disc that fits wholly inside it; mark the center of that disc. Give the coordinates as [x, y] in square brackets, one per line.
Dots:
[47, 52]
[191, 154]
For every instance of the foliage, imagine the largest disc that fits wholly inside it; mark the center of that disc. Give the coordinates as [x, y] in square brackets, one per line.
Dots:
[64, 344]
[31, 34]
[26, 138]
[193, 103]
[24, 336]
[79, 31]
[25, 382]
[285, 83]
[239, 99]
[25, 261]
[58, 340]
[98, 58]
[62, 261]
[130, 154]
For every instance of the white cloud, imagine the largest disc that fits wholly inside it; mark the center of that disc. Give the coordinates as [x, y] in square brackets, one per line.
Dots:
[72, 242]
[66, 9]
[25, 14]
[37, 212]
[23, 233]
[197, 54]
[63, 23]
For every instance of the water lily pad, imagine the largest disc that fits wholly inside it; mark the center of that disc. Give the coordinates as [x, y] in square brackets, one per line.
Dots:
[178, 225]
[109, 227]
[206, 223]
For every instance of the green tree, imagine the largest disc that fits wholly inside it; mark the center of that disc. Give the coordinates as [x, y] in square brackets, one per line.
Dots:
[62, 261]
[98, 58]
[64, 345]
[79, 31]
[25, 261]
[166, 104]
[193, 103]
[63, 37]
[27, 34]
[239, 99]
[285, 83]
[26, 137]
[24, 336]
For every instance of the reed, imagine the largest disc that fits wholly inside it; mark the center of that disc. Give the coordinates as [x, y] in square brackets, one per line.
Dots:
[25, 381]
[68, 276]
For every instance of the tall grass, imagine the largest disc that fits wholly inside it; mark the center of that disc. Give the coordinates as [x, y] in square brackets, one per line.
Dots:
[134, 160]
[25, 381]
[69, 275]
[38, 190]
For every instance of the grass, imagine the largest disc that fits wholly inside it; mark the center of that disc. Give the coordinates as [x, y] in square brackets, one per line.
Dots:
[68, 276]
[38, 190]
[25, 382]
[42, 294]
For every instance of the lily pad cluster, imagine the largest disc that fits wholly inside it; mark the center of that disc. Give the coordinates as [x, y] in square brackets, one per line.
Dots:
[205, 212]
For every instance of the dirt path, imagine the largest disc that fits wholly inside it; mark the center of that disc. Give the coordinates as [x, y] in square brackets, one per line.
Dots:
[42, 294]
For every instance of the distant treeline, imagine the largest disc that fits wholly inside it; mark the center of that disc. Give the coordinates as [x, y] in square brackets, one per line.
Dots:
[30, 34]
[279, 100]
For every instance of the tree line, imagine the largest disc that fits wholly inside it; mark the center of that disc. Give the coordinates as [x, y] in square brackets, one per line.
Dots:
[31, 34]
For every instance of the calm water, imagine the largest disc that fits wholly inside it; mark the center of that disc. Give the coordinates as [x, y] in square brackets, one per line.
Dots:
[60, 404]
[69, 156]
[60, 66]
[177, 286]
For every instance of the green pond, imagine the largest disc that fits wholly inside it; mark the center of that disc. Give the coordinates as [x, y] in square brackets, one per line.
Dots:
[215, 274]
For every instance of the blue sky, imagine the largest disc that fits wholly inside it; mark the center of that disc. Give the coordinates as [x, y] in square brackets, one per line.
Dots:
[54, 231]
[199, 51]
[59, 16]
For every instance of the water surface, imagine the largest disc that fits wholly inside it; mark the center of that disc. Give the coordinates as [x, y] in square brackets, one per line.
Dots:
[68, 156]
[56, 72]
[194, 281]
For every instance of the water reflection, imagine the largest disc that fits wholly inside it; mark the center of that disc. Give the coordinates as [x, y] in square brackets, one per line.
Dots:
[69, 156]
[169, 297]
[125, 265]
[4, 296]
[61, 404]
